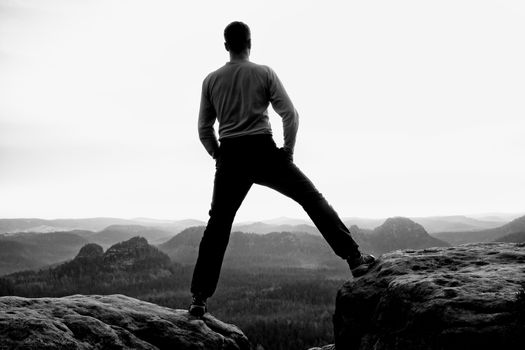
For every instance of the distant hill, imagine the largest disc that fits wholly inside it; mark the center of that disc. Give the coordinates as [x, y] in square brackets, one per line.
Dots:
[16, 256]
[37, 250]
[362, 238]
[36, 225]
[401, 233]
[169, 223]
[24, 251]
[133, 262]
[433, 223]
[118, 233]
[248, 250]
[19, 225]
[455, 223]
[363, 223]
[263, 227]
[283, 220]
[503, 218]
[516, 237]
[30, 250]
[299, 249]
[90, 224]
[183, 247]
[489, 235]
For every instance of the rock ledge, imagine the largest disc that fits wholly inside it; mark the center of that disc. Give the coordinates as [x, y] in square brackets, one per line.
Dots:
[461, 297]
[109, 322]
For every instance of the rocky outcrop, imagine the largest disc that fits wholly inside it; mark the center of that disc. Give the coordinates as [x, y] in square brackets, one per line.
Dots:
[395, 233]
[464, 297]
[402, 233]
[90, 250]
[132, 254]
[109, 322]
[126, 264]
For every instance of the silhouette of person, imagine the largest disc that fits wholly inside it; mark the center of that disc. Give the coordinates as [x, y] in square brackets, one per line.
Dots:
[237, 95]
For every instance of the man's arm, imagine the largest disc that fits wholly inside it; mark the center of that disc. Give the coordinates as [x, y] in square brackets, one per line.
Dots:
[207, 117]
[282, 104]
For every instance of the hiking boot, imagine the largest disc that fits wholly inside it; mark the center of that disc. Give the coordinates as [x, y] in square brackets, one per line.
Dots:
[198, 306]
[360, 265]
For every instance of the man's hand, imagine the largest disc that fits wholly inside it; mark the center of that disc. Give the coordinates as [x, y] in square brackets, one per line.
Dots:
[287, 153]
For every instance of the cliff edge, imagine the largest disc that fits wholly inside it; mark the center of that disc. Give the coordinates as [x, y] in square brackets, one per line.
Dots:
[109, 322]
[437, 298]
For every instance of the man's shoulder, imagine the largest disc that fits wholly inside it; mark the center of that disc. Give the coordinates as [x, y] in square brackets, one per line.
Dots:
[266, 71]
[211, 75]
[226, 68]
[261, 67]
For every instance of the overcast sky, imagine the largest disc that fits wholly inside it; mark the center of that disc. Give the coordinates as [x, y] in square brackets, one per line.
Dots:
[406, 108]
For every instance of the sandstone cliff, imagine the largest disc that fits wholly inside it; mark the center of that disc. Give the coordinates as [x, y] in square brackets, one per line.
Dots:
[464, 297]
[109, 322]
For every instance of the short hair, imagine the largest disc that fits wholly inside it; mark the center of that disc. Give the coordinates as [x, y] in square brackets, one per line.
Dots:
[238, 36]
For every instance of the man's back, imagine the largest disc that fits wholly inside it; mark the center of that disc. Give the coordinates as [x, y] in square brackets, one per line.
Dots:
[238, 95]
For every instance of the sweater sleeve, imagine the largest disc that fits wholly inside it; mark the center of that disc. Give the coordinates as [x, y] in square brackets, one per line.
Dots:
[207, 117]
[283, 106]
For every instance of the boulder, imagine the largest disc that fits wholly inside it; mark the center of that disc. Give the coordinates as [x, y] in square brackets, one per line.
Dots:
[109, 322]
[464, 297]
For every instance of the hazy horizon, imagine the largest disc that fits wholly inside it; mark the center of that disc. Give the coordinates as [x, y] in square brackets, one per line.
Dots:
[480, 216]
[406, 108]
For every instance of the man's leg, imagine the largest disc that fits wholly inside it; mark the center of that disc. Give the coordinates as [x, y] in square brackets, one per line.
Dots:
[285, 177]
[230, 189]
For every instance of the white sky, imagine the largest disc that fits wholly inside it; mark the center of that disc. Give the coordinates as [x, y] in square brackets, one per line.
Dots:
[407, 107]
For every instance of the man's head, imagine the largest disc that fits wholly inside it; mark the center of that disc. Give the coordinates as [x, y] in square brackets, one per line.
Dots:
[237, 37]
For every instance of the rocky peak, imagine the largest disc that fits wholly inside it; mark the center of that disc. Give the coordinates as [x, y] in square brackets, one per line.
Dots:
[90, 250]
[127, 263]
[402, 233]
[400, 227]
[136, 242]
[134, 249]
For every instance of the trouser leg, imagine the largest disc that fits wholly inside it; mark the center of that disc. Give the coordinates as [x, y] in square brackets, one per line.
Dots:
[230, 189]
[285, 177]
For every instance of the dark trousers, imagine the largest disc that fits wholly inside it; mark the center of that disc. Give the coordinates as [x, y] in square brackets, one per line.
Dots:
[246, 160]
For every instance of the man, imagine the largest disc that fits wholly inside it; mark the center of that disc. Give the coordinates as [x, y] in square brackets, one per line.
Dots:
[238, 95]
